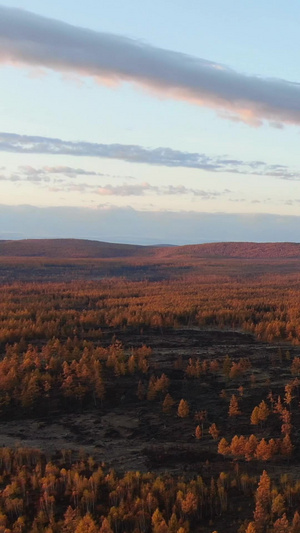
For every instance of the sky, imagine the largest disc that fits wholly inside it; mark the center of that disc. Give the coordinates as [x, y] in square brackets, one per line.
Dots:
[150, 122]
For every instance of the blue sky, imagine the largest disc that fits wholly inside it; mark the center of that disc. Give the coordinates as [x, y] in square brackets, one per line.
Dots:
[218, 79]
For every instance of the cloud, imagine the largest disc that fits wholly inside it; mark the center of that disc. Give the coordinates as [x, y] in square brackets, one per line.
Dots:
[66, 171]
[44, 175]
[144, 188]
[36, 41]
[26, 144]
[27, 173]
[114, 224]
[138, 189]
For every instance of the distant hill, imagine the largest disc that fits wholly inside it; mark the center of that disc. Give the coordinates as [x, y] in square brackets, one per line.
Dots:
[70, 248]
[243, 250]
[85, 249]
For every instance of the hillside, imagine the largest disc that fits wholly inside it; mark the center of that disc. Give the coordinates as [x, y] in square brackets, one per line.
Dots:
[86, 249]
[70, 249]
[243, 250]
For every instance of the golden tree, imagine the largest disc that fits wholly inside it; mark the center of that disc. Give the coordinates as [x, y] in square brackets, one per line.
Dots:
[198, 433]
[87, 525]
[213, 431]
[223, 447]
[234, 409]
[183, 409]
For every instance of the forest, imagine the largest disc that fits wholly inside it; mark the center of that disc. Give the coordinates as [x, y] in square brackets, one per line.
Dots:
[149, 390]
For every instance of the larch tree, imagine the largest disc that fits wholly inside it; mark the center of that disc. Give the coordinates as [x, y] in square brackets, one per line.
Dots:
[213, 431]
[278, 505]
[250, 447]
[263, 496]
[251, 528]
[263, 411]
[87, 525]
[198, 433]
[286, 446]
[167, 404]
[281, 525]
[296, 523]
[183, 409]
[223, 447]
[234, 409]
[105, 527]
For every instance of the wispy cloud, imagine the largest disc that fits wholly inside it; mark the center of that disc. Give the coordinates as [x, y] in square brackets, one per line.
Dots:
[26, 144]
[50, 177]
[27, 38]
[66, 171]
[27, 173]
[138, 189]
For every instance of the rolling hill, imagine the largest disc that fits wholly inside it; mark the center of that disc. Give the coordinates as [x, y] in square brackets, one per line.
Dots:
[86, 249]
[70, 249]
[241, 250]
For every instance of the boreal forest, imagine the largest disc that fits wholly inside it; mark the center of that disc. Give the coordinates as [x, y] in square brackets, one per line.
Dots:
[149, 389]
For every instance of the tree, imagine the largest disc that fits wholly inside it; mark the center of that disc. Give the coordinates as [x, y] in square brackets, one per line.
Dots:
[281, 525]
[198, 433]
[260, 413]
[167, 404]
[173, 524]
[263, 451]
[213, 431]
[261, 513]
[237, 445]
[254, 419]
[183, 409]
[159, 524]
[234, 407]
[189, 504]
[223, 447]
[278, 505]
[251, 528]
[296, 523]
[105, 527]
[250, 447]
[263, 411]
[286, 447]
[87, 525]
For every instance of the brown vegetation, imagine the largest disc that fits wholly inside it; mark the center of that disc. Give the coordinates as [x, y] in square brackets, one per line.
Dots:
[190, 381]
